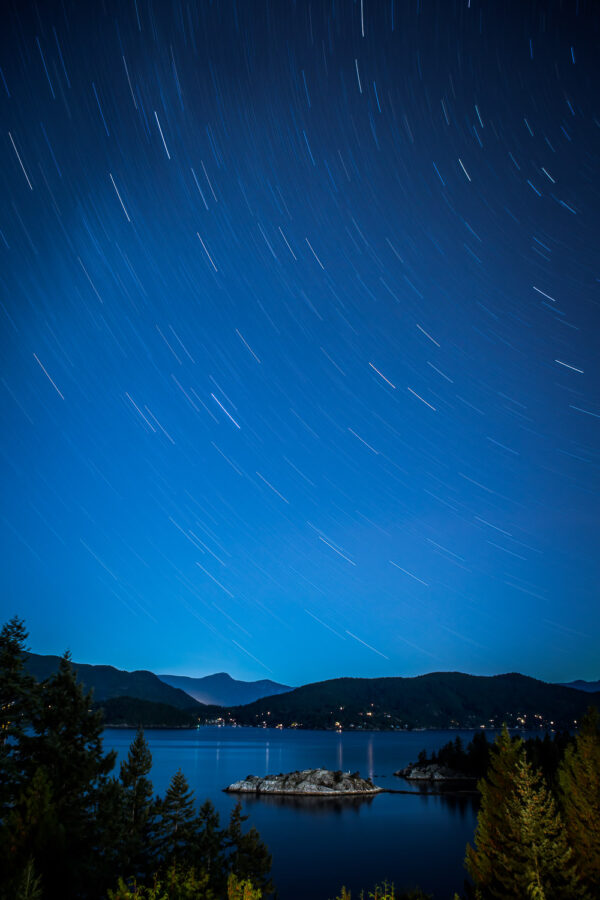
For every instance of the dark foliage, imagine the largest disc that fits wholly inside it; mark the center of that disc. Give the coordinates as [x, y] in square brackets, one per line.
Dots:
[16, 699]
[470, 760]
[544, 753]
[131, 711]
[386, 892]
[70, 829]
[521, 847]
[250, 858]
[579, 800]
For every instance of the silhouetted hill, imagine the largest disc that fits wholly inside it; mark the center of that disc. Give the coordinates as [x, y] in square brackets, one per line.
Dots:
[120, 711]
[223, 690]
[437, 700]
[590, 686]
[108, 682]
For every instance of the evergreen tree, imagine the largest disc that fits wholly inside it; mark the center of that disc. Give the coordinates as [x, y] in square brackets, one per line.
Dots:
[209, 845]
[68, 829]
[30, 832]
[133, 778]
[175, 827]
[68, 739]
[250, 858]
[17, 697]
[241, 890]
[579, 792]
[109, 855]
[478, 754]
[29, 886]
[67, 744]
[138, 806]
[541, 857]
[387, 891]
[176, 883]
[493, 838]
[522, 849]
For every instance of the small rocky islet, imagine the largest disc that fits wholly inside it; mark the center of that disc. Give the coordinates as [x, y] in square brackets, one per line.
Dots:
[433, 772]
[308, 782]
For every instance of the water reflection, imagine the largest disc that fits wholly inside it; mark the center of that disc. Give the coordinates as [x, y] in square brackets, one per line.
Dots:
[323, 841]
[462, 804]
[370, 757]
[313, 805]
[452, 796]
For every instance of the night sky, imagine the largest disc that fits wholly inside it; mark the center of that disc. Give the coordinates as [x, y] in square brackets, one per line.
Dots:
[300, 308]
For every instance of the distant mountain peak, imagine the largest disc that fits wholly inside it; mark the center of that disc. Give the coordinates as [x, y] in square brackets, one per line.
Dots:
[221, 689]
[580, 685]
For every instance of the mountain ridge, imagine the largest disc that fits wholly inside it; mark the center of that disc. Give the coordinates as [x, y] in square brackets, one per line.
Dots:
[108, 682]
[221, 689]
[435, 700]
[580, 685]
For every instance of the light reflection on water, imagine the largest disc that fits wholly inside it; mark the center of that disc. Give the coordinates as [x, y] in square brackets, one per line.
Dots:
[318, 845]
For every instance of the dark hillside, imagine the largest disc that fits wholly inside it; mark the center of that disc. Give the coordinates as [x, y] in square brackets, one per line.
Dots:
[437, 700]
[108, 682]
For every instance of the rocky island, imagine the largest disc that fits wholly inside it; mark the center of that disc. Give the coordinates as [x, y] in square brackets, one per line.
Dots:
[309, 782]
[433, 772]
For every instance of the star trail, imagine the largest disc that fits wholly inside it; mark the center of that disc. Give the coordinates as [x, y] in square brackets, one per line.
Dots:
[300, 348]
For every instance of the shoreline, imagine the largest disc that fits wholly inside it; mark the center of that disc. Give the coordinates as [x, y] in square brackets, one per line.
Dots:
[468, 728]
[325, 795]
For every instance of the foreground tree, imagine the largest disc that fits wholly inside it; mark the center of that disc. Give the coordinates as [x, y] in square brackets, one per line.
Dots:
[210, 845]
[250, 858]
[176, 828]
[29, 886]
[67, 746]
[18, 696]
[241, 890]
[69, 829]
[493, 840]
[179, 883]
[31, 837]
[176, 883]
[521, 845]
[543, 861]
[579, 793]
[138, 807]
[386, 891]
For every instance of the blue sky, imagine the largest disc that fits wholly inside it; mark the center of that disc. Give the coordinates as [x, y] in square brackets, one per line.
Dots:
[299, 371]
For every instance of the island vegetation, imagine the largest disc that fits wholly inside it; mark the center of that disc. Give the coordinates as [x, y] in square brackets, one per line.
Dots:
[472, 761]
[72, 828]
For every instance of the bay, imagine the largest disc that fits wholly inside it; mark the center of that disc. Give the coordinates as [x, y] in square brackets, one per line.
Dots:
[319, 845]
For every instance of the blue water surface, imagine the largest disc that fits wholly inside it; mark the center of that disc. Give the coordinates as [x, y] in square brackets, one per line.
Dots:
[318, 845]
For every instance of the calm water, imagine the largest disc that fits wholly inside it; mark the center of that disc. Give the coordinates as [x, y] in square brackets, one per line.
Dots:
[318, 845]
